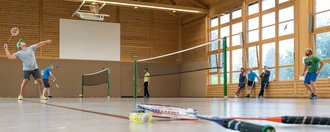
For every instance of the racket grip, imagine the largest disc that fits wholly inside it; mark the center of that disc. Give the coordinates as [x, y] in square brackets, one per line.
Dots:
[245, 126]
[312, 120]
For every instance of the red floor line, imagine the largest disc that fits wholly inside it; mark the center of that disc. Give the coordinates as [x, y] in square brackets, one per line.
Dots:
[82, 110]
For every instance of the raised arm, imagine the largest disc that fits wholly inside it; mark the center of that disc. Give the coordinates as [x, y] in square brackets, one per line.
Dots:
[9, 56]
[42, 43]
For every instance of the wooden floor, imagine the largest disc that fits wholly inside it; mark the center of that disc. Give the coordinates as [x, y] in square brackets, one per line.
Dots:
[96, 114]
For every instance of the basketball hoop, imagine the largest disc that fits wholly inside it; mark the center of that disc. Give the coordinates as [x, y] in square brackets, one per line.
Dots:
[94, 7]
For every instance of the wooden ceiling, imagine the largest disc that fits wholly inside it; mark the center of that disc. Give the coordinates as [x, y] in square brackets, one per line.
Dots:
[191, 3]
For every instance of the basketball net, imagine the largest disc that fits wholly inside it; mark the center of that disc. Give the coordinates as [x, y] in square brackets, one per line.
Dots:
[94, 7]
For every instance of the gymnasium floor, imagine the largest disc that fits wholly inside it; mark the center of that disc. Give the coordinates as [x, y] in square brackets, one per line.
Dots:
[97, 114]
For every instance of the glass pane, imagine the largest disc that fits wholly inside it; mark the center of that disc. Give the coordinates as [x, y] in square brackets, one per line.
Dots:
[214, 36]
[213, 62]
[253, 23]
[237, 60]
[222, 62]
[286, 14]
[322, 19]
[322, 5]
[237, 14]
[281, 1]
[286, 54]
[286, 28]
[224, 18]
[228, 42]
[224, 31]
[272, 74]
[322, 45]
[257, 72]
[268, 19]
[253, 8]
[268, 54]
[213, 79]
[252, 57]
[222, 79]
[236, 28]
[325, 72]
[267, 4]
[253, 36]
[286, 73]
[214, 22]
[268, 32]
[236, 40]
[235, 77]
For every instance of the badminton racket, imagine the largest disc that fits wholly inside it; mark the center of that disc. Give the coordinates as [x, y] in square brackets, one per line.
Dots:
[14, 32]
[307, 120]
[225, 122]
[56, 84]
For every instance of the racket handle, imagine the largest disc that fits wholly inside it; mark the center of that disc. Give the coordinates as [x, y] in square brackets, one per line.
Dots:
[312, 120]
[245, 126]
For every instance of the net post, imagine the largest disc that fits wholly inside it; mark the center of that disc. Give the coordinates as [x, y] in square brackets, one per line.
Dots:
[82, 86]
[224, 40]
[108, 78]
[135, 81]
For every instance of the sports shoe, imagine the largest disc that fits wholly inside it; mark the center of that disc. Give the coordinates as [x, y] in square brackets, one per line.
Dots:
[50, 96]
[43, 97]
[20, 97]
[261, 97]
[236, 96]
[313, 96]
[247, 96]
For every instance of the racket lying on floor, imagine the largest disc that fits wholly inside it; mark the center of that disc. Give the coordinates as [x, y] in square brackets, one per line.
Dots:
[307, 120]
[174, 112]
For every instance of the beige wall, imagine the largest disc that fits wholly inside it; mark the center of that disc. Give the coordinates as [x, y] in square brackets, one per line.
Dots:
[69, 73]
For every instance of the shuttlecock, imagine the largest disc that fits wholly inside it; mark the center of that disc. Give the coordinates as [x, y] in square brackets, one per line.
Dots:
[139, 117]
[146, 117]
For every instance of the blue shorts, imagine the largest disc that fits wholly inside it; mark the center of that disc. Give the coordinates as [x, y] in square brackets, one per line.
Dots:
[310, 77]
[46, 83]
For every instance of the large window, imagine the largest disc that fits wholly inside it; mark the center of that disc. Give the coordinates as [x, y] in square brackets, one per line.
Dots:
[237, 60]
[322, 44]
[213, 62]
[214, 39]
[322, 13]
[268, 4]
[269, 36]
[214, 22]
[224, 18]
[237, 13]
[286, 55]
[252, 57]
[322, 34]
[268, 54]
[253, 8]
[286, 59]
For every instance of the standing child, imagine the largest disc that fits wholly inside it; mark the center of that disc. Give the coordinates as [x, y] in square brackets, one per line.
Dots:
[146, 81]
[264, 81]
[251, 77]
[45, 78]
[241, 83]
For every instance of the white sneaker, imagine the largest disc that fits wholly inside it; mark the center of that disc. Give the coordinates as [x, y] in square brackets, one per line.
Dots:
[43, 97]
[20, 97]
